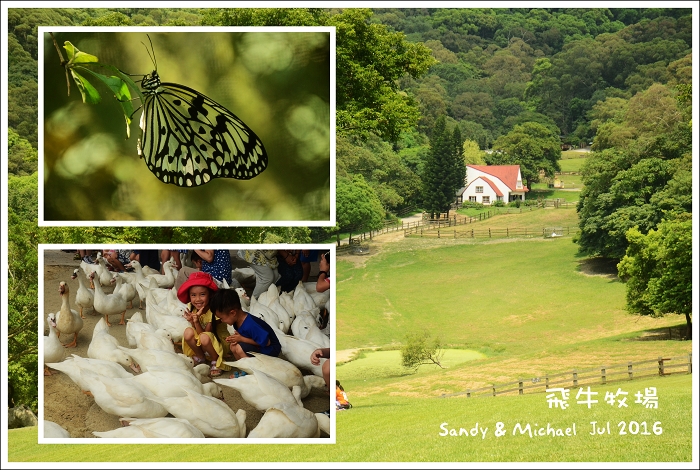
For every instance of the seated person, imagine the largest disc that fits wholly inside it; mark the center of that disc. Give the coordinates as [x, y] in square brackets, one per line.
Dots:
[200, 339]
[307, 257]
[323, 282]
[252, 333]
[290, 269]
[117, 258]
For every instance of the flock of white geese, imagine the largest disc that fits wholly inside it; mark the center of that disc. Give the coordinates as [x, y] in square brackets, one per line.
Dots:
[157, 392]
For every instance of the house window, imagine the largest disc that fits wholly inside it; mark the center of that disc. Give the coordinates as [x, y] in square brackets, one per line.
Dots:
[472, 198]
[486, 200]
[499, 198]
[479, 189]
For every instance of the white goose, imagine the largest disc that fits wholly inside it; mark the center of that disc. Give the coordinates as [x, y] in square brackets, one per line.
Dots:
[102, 271]
[261, 310]
[74, 364]
[109, 304]
[67, 320]
[106, 347]
[284, 371]
[298, 351]
[165, 281]
[168, 382]
[122, 397]
[147, 358]
[140, 282]
[153, 428]
[158, 339]
[174, 324]
[305, 326]
[211, 416]
[302, 299]
[134, 326]
[287, 420]
[54, 430]
[123, 287]
[262, 391]
[84, 296]
[53, 349]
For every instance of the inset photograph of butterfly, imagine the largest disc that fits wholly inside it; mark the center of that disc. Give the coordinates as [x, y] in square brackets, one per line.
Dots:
[195, 126]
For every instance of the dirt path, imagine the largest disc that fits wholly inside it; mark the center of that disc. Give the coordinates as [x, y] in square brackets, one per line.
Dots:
[65, 404]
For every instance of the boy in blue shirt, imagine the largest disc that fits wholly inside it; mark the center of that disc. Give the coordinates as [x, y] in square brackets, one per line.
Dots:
[252, 333]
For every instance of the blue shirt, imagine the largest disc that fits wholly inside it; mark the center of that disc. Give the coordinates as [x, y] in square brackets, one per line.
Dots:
[256, 329]
[220, 266]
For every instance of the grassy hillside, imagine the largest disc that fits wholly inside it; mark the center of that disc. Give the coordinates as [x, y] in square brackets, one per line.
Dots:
[387, 428]
[507, 309]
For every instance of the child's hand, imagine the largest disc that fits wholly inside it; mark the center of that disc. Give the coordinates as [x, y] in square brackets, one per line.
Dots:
[316, 357]
[233, 339]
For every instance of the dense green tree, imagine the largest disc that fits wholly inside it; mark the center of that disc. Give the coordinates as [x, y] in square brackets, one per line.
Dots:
[657, 269]
[370, 59]
[358, 206]
[22, 157]
[532, 146]
[382, 168]
[444, 169]
[472, 154]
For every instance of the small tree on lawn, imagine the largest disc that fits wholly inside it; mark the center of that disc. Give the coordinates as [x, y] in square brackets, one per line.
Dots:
[421, 349]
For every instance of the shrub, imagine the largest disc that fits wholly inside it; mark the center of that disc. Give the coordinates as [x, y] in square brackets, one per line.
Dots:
[421, 349]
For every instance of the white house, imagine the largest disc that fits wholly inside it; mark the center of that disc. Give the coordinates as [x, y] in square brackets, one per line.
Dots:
[487, 184]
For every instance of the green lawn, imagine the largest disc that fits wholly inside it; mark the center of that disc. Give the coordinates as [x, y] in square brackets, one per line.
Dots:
[506, 309]
[386, 428]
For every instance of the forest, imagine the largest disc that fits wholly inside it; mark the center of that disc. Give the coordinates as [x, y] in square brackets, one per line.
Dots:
[419, 93]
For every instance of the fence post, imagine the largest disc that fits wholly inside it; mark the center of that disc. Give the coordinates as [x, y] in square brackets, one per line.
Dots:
[520, 386]
[455, 234]
[469, 393]
[690, 363]
[602, 375]
[507, 232]
[629, 370]
[661, 365]
[472, 233]
[438, 231]
[546, 382]
[575, 378]
[489, 232]
[493, 387]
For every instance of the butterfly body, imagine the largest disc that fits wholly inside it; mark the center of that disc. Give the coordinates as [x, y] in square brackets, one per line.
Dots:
[188, 139]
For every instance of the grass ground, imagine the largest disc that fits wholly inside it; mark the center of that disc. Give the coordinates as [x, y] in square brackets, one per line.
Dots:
[389, 428]
[506, 309]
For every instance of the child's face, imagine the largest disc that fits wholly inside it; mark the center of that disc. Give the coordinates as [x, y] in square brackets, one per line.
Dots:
[199, 296]
[227, 317]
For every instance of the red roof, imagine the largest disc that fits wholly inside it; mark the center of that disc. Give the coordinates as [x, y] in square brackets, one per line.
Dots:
[490, 183]
[506, 173]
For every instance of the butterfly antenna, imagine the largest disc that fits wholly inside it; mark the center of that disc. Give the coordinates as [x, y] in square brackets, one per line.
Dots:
[152, 57]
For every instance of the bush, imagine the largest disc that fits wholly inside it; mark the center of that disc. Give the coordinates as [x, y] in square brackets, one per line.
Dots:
[515, 203]
[420, 349]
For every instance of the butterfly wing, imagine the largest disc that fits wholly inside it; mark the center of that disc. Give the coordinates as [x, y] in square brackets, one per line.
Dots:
[189, 139]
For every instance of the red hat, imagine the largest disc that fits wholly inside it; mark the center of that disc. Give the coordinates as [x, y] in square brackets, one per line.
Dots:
[197, 278]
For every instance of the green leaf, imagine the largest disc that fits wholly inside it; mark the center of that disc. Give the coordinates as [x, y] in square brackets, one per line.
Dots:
[89, 93]
[75, 56]
[121, 93]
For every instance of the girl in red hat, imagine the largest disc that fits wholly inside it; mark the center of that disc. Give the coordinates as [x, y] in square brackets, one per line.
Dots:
[200, 339]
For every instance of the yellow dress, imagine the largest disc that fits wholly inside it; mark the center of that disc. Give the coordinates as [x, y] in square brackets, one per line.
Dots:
[203, 320]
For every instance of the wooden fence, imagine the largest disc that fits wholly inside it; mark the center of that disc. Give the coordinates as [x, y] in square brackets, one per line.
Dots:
[488, 233]
[603, 375]
[356, 244]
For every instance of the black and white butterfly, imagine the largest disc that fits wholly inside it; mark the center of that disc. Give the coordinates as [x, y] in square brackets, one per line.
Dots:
[188, 139]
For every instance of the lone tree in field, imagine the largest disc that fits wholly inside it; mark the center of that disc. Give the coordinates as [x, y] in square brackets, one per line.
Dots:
[420, 349]
[444, 169]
